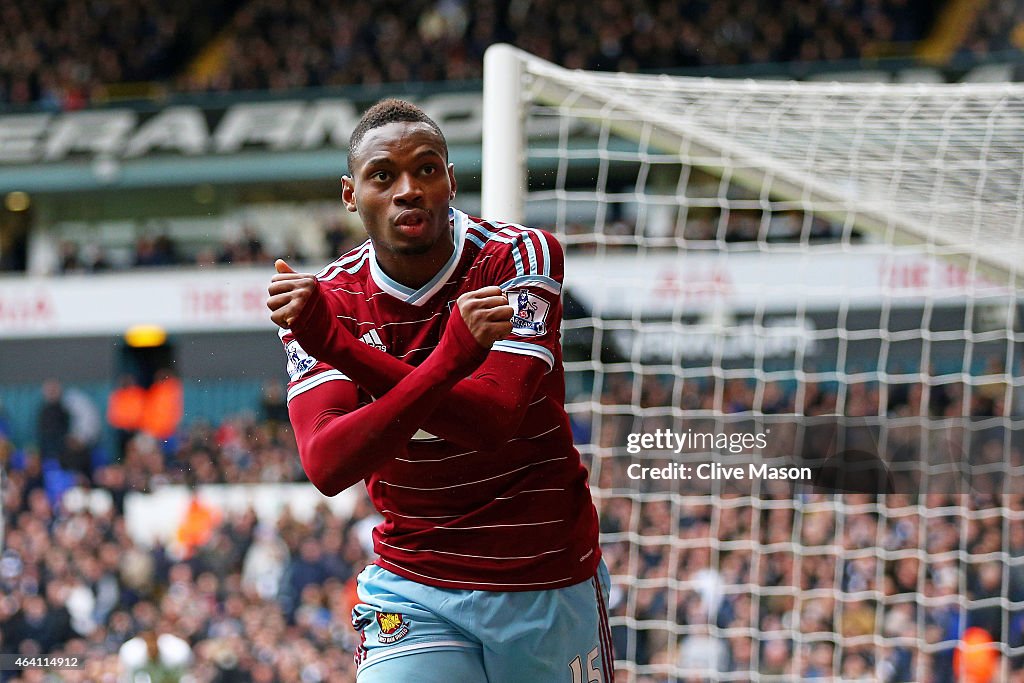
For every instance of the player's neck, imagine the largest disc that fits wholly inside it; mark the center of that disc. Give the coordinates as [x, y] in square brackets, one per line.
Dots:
[416, 270]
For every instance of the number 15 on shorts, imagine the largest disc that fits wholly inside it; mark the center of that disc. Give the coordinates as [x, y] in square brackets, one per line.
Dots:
[593, 673]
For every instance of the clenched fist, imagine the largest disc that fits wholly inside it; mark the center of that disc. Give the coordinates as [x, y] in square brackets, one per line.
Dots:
[487, 314]
[289, 292]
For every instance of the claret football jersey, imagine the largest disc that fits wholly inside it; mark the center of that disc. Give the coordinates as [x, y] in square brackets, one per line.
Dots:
[515, 517]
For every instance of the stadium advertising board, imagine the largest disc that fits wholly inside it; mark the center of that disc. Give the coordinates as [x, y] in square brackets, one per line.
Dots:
[617, 286]
[144, 145]
[237, 142]
[189, 130]
[234, 142]
[123, 133]
[663, 284]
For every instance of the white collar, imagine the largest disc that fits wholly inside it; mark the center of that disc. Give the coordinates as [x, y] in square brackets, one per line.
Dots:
[457, 220]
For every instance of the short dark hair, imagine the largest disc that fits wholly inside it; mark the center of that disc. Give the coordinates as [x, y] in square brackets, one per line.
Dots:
[387, 111]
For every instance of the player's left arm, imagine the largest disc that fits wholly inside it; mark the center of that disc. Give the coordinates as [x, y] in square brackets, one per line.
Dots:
[486, 409]
[480, 412]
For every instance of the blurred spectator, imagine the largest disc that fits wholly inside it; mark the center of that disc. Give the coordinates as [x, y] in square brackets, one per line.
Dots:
[5, 422]
[340, 238]
[83, 433]
[244, 250]
[273, 403]
[156, 251]
[155, 658]
[69, 261]
[73, 258]
[292, 252]
[265, 563]
[998, 27]
[197, 527]
[53, 422]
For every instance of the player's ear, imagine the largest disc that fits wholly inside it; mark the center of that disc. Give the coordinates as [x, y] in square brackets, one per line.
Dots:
[451, 180]
[348, 193]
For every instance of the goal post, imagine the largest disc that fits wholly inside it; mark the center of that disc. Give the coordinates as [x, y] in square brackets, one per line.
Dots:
[504, 170]
[778, 253]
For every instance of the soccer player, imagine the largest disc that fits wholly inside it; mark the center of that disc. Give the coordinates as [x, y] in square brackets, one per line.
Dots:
[427, 363]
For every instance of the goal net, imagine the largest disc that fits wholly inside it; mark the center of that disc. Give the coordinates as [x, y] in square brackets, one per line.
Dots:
[760, 263]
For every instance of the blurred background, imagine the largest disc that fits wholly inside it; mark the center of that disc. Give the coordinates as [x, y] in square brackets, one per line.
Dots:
[155, 158]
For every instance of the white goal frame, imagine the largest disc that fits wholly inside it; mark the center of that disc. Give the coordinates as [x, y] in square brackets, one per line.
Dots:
[985, 237]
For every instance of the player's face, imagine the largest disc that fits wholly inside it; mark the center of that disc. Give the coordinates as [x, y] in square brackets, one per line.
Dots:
[401, 186]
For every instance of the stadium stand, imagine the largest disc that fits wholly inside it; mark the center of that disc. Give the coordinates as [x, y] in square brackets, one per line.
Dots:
[998, 27]
[61, 55]
[49, 57]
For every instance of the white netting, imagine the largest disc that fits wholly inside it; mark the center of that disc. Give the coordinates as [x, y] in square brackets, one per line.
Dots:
[934, 164]
[758, 248]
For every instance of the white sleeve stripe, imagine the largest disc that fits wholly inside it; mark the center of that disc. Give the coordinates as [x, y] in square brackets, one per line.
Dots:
[531, 252]
[525, 349]
[543, 249]
[517, 259]
[315, 381]
[546, 283]
[509, 236]
[514, 238]
[492, 236]
[338, 265]
[528, 236]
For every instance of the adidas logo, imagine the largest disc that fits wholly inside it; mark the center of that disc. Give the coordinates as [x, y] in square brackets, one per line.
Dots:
[373, 339]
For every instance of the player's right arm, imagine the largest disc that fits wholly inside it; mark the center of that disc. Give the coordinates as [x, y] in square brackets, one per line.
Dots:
[340, 442]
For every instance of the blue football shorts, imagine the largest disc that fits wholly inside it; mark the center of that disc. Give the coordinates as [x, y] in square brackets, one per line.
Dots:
[414, 632]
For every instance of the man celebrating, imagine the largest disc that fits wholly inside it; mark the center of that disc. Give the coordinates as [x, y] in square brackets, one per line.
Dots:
[411, 371]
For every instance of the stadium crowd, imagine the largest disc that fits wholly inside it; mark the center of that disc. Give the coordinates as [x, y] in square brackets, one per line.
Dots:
[269, 602]
[161, 249]
[999, 27]
[254, 603]
[62, 54]
[315, 42]
[58, 53]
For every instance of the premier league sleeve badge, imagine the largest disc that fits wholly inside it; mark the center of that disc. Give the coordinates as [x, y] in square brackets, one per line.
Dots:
[530, 312]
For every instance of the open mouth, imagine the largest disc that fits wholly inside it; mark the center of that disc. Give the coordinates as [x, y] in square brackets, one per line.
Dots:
[412, 223]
